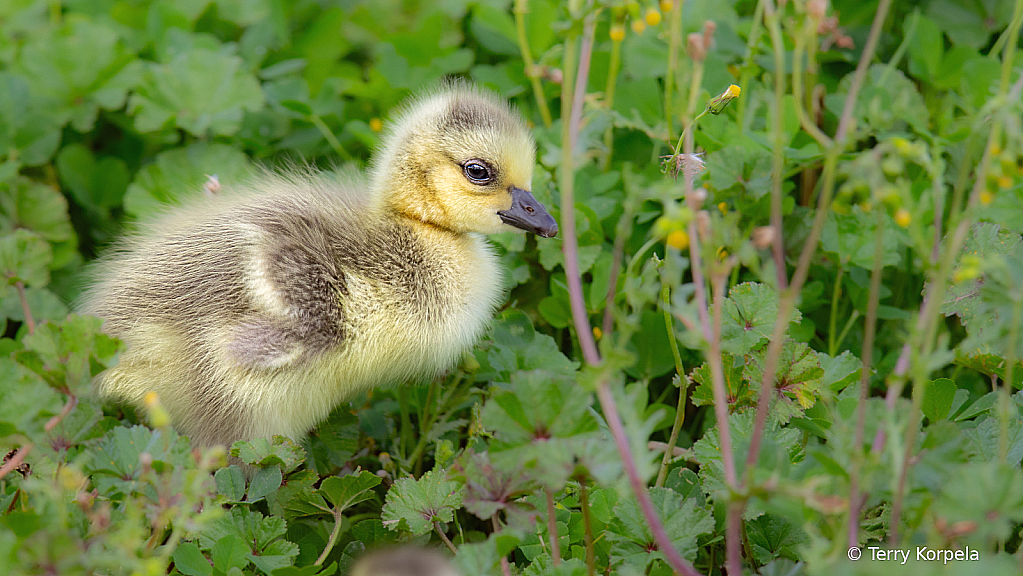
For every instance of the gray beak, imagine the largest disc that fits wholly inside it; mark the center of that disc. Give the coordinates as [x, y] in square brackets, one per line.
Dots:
[528, 214]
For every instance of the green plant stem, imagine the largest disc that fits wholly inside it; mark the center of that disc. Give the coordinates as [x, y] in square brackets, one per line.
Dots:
[329, 136]
[444, 537]
[680, 411]
[609, 96]
[674, 35]
[846, 328]
[552, 528]
[571, 105]
[833, 321]
[520, 27]
[1005, 397]
[332, 539]
[30, 322]
[801, 36]
[591, 554]
[786, 303]
[870, 330]
[454, 391]
[777, 145]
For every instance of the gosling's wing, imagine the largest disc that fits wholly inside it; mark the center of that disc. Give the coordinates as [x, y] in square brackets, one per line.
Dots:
[295, 284]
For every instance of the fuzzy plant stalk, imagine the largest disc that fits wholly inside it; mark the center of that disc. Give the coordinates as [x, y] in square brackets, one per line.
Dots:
[777, 146]
[925, 329]
[856, 497]
[572, 100]
[788, 297]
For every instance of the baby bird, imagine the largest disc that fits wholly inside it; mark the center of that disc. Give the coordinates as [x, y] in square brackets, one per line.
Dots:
[257, 311]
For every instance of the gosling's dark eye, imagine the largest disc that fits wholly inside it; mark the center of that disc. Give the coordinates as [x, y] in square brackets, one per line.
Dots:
[477, 172]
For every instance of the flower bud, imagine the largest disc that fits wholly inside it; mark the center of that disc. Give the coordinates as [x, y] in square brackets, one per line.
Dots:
[694, 47]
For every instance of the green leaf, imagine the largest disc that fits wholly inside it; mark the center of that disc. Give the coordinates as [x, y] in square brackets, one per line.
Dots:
[189, 560]
[938, 397]
[849, 238]
[265, 481]
[93, 183]
[840, 371]
[989, 495]
[28, 125]
[684, 521]
[538, 425]
[262, 453]
[230, 552]
[736, 387]
[73, 350]
[26, 400]
[276, 555]
[231, 483]
[199, 90]
[81, 68]
[772, 537]
[347, 491]
[36, 207]
[24, 257]
[748, 316]
[798, 379]
[422, 502]
[179, 174]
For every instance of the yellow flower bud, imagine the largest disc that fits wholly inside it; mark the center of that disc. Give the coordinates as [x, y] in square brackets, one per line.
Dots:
[666, 5]
[638, 26]
[903, 217]
[1004, 181]
[597, 332]
[723, 208]
[678, 239]
[717, 104]
[986, 198]
[376, 125]
[617, 32]
[653, 17]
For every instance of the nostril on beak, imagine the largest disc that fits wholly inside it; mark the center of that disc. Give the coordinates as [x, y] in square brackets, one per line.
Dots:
[530, 209]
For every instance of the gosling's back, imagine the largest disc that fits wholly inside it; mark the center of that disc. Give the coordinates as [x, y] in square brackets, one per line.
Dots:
[256, 312]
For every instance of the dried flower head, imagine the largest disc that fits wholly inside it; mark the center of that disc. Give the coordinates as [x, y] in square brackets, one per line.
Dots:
[689, 164]
[762, 236]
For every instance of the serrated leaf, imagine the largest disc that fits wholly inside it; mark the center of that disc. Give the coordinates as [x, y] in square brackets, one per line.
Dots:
[30, 205]
[748, 316]
[797, 381]
[432, 498]
[179, 174]
[276, 555]
[684, 520]
[736, 388]
[538, 425]
[26, 400]
[347, 491]
[190, 561]
[773, 537]
[261, 452]
[199, 90]
[24, 257]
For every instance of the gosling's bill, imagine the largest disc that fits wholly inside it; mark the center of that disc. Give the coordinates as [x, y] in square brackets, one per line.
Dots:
[257, 311]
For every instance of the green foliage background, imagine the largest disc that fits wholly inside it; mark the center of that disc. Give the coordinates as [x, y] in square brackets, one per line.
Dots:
[111, 108]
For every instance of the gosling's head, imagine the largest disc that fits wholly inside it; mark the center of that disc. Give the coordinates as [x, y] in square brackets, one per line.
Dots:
[460, 159]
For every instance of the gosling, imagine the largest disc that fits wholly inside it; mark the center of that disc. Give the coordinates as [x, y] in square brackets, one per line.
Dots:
[257, 311]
